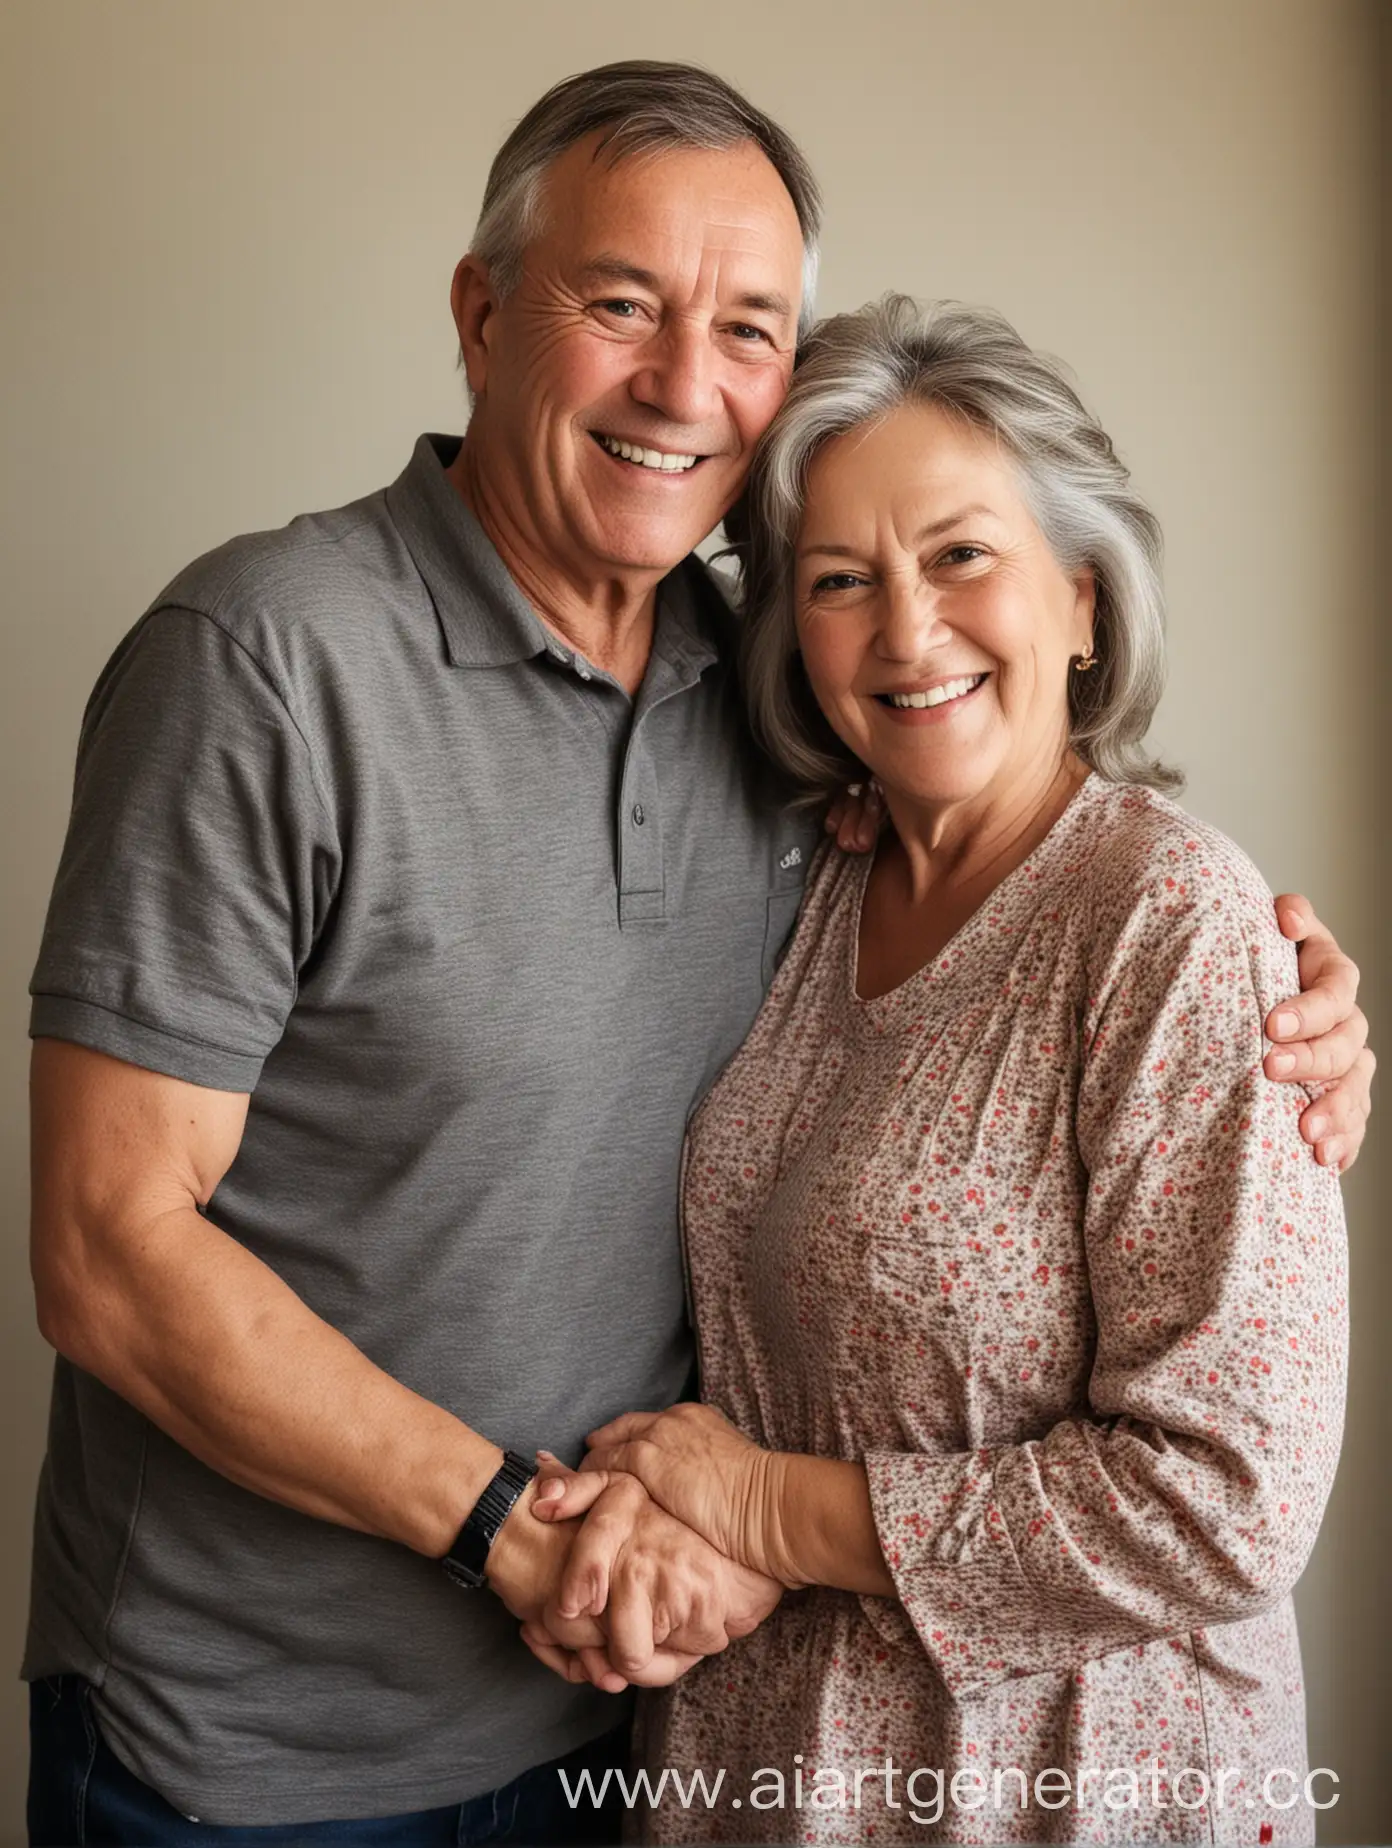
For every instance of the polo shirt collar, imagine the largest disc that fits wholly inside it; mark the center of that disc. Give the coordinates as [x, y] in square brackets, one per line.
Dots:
[485, 619]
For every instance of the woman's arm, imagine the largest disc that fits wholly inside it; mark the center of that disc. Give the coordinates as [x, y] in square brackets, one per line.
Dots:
[1193, 1492]
[807, 1520]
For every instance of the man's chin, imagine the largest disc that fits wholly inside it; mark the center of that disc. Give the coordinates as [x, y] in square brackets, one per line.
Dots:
[654, 546]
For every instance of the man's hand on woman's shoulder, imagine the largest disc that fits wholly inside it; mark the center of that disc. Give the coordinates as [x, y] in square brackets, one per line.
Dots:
[856, 816]
[1320, 1039]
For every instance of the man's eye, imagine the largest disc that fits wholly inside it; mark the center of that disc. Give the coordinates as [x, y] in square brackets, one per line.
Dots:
[624, 309]
[746, 331]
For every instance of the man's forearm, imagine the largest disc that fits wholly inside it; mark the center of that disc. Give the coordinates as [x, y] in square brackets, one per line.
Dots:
[214, 1348]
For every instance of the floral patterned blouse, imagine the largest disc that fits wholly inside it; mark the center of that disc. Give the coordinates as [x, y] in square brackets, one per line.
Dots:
[1034, 1238]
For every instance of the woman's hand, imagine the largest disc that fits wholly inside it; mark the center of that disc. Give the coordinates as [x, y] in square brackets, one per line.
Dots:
[1320, 1038]
[663, 1594]
[695, 1464]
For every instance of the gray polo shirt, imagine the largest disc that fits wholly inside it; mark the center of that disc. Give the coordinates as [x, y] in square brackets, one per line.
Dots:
[355, 833]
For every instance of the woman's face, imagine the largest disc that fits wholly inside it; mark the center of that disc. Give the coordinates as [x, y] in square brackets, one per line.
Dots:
[936, 626]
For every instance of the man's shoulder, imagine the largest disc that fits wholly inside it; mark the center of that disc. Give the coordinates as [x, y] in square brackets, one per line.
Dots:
[319, 569]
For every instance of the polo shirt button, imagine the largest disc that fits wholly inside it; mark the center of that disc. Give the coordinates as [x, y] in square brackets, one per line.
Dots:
[638, 816]
[583, 672]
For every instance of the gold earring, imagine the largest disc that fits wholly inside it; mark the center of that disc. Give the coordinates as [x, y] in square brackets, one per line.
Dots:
[1086, 662]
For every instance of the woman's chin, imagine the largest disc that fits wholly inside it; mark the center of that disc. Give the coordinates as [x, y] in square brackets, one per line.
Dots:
[937, 791]
[982, 778]
[926, 768]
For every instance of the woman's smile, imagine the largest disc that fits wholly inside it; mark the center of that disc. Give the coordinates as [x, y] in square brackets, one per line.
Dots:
[932, 704]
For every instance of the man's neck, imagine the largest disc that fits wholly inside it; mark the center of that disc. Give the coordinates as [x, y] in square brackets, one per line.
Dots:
[607, 620]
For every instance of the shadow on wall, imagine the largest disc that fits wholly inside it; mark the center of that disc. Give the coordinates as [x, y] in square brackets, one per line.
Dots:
[1349, 1584]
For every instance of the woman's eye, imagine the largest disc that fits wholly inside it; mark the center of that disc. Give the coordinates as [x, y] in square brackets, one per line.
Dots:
[836, 580]
[962, 554]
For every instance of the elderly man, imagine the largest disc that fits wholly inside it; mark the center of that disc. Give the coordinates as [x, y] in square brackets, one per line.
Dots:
[420, 876]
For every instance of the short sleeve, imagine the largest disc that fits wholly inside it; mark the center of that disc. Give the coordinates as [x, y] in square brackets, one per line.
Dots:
[199, 864]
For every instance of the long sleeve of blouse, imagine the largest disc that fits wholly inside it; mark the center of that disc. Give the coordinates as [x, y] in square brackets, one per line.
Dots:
[1190, 1490]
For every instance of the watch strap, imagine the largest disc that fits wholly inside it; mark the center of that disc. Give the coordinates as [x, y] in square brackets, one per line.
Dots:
[467, 1558]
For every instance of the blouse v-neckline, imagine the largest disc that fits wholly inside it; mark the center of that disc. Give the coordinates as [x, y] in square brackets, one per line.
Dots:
[884, 1013]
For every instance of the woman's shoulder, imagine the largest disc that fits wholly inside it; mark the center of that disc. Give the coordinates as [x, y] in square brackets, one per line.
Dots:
[1147, 845]
[1160, 878]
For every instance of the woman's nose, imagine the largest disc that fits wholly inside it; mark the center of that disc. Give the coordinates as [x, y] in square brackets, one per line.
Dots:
[911, 623]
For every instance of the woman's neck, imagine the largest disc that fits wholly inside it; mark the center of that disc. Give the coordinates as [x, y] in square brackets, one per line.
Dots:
[935, 869]
[951, 845]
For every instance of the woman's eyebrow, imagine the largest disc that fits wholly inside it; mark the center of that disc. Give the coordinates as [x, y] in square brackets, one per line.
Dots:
[934, 527]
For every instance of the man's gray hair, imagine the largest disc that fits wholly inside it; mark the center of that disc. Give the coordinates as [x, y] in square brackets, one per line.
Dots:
[643, 107]
[859, 367]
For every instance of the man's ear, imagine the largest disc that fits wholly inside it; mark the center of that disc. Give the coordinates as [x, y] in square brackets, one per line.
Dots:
[473, 304]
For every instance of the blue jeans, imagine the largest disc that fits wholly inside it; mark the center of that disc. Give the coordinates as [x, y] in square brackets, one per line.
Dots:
[82, 1796]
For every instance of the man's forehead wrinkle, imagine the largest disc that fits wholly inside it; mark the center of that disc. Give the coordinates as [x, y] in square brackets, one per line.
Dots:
[612, 149]
[594, 196]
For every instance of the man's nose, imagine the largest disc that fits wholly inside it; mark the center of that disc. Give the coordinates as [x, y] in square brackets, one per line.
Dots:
[678, 376]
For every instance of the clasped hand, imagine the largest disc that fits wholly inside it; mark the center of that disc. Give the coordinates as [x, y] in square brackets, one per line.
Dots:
[676, 1552]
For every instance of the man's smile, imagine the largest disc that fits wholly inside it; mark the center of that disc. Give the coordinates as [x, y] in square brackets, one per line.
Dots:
[638, 455]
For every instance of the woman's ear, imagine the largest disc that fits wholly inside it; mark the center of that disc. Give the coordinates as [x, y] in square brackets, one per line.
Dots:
[473, 304]
[1084, 609]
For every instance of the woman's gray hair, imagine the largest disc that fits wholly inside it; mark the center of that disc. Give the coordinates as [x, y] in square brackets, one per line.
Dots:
[644, 107]
[855, 369]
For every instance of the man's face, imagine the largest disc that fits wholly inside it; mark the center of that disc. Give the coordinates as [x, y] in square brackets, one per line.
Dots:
[657, 312]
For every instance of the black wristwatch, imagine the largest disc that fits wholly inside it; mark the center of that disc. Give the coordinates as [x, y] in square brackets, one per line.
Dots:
[467, 1558]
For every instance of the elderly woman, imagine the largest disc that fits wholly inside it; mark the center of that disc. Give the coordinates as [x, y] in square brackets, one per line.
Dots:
[1021, 1305]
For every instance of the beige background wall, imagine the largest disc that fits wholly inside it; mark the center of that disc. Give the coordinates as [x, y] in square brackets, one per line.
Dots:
[228, 236]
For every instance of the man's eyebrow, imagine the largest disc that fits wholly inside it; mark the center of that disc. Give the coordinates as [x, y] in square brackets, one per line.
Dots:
[764, 301]
[607, 268]
[615, 269]
[931, 531]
